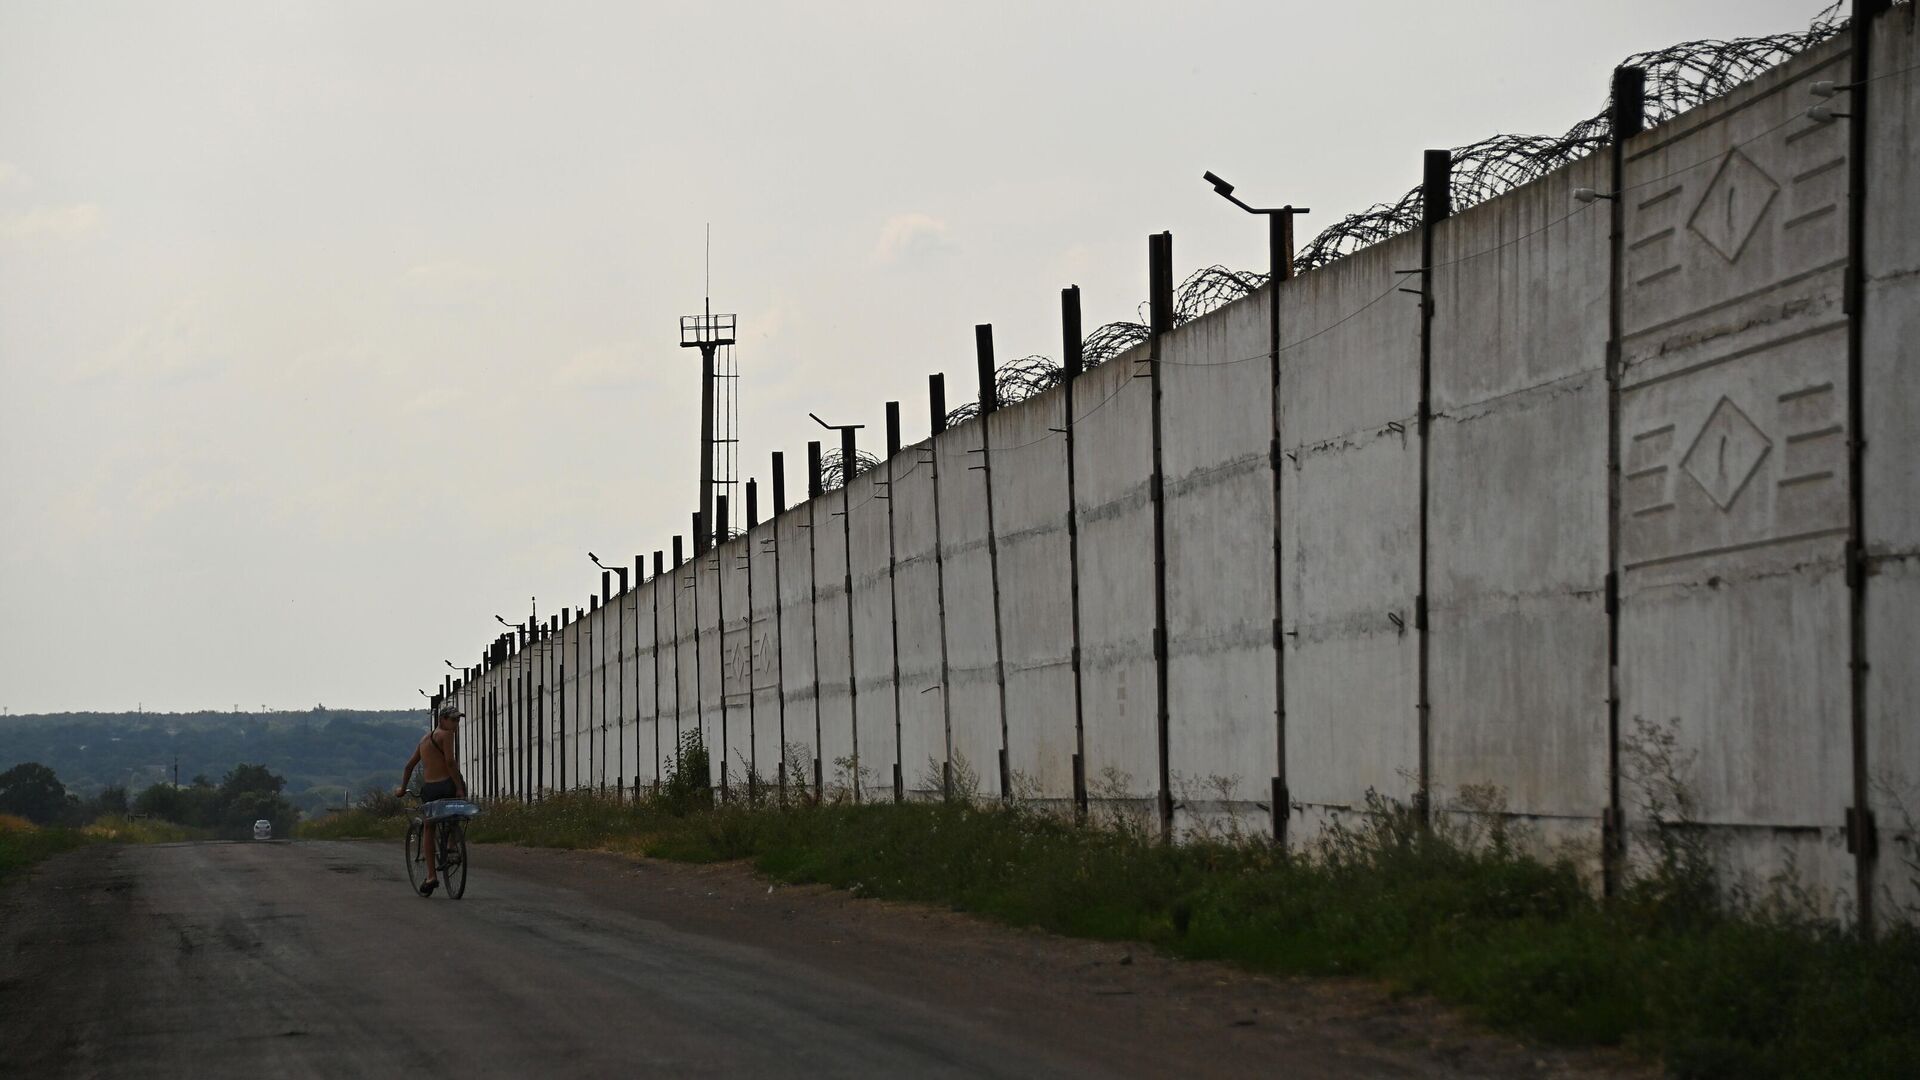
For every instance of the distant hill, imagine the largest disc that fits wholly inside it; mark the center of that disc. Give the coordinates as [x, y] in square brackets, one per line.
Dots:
[324, 754]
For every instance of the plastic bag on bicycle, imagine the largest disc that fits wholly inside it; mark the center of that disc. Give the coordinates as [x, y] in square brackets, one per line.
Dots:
[442, 809]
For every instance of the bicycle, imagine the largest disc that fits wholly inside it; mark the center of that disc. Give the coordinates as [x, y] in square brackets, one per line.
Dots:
[449, 817]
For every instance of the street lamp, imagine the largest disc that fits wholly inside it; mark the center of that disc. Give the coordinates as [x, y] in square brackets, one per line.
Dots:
[1279, 228]
[1279, 268]
[621, 570]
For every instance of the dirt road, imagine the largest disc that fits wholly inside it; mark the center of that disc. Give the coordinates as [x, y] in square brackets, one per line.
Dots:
[312, 959]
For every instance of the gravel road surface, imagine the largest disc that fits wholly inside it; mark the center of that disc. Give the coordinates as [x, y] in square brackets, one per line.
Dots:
[313, 959]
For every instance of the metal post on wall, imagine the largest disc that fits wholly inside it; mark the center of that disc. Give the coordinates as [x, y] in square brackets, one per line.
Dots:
[699, 682]
[814, 491]
[503, 704]
[1279, 269]
[1627, 118]
[560, 677]
[606, 602]
[849, 459]
[720, 621]
[516, 741]
[620, 684]
[893, 592]
[557, 673]
[678, 560]
[753, 709]
[540, 717]
[1073, 354]
[596, 776]
[659, 568]
[639, 576]
[937, 420]
[779, 468]
[1862, 836]
[529, 645]
[583, 728]
[990, 404]
[1436, 205]
[1160, 307]
[525, 729]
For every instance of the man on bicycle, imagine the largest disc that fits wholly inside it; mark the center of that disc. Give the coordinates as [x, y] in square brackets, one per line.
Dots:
[440, 777]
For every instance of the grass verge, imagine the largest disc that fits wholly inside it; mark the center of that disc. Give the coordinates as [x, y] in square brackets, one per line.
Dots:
[1669, 969]
[22, 843]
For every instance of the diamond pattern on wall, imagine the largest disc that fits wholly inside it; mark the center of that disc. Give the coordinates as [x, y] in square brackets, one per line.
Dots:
[1725, 454]
[1731, 208]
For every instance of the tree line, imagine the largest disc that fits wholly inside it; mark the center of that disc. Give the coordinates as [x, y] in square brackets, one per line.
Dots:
[246, 794]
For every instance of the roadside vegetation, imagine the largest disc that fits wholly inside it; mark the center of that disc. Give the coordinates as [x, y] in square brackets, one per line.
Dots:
[1713, 980]
[39, 817]
[22, 843]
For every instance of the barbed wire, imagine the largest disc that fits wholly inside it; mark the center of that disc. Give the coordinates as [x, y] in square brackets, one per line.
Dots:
[1014, 381]
[1679, 77]
[833, 470]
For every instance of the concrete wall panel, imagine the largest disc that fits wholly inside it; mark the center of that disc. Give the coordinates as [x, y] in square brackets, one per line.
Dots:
[973, 674]
[1113, 469]
[923, 745]
[646, 686]
[833, 624]
[1518, 548]
[736, 665]
[686, 663]
[711, 658]
[1218, 424]
[1036, 596]
[764, 717]
[1890, 497]
[1734, 505]
[873, 633]
[1349, 388]
[797, 656]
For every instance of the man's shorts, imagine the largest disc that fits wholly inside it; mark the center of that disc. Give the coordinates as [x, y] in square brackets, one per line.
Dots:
[439, 789]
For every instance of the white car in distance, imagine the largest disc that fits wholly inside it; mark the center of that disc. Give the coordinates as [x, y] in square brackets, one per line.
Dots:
[263, 829]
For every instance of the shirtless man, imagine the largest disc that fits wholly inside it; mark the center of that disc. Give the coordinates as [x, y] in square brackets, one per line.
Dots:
[439, 777]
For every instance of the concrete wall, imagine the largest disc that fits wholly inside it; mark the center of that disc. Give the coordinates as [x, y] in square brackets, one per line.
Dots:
[973, 671]
[735, 746]
[647, 746]
[1218, 386]
[1113, 464]
[766, 715]
[1730, 425]
[1349, 389]
[872, 612]
[794, 532]
[1036, 602]
[1518, 555]
[917, 580]
[1890, 499]
[831, 623]
[1733, 526]
[706, 705]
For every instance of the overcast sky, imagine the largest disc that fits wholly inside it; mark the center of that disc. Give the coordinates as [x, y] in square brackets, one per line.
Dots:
[327, 331]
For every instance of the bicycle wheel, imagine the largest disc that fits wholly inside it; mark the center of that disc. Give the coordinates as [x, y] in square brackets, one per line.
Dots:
[414, 862]
[453, 857]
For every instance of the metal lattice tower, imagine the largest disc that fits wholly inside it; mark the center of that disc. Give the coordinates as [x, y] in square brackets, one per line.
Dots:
[713, 335]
